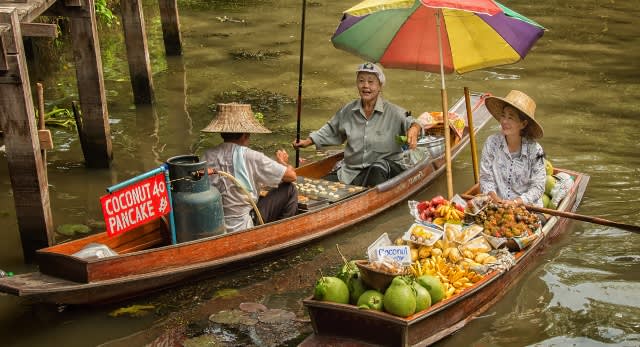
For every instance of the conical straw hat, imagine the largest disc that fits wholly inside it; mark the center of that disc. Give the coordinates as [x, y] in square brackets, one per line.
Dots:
[521, 101]
[235, 118]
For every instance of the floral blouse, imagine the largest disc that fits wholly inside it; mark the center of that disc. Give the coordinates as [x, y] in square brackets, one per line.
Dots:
[513, 175]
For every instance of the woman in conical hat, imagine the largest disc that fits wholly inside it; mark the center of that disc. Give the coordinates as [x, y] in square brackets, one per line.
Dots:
[512, 163]
[252, 169]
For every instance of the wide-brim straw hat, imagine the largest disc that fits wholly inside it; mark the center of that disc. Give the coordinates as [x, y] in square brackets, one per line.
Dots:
[523, 103]
[235, 118]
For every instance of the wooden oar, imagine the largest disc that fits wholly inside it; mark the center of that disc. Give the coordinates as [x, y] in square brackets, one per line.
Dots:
[581, 217]
[590, 219]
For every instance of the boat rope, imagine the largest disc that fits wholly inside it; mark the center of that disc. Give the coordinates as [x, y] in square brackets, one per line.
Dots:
[249, 197]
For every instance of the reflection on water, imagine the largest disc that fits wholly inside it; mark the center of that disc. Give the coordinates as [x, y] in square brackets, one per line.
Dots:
[583, 74]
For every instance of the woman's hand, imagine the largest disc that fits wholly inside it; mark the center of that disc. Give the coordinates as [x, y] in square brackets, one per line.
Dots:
[412, 135]
[494, 197]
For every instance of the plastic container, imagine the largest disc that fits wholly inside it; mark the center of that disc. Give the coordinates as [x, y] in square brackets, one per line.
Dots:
[197, 206]
[94, 251]
[433, 233]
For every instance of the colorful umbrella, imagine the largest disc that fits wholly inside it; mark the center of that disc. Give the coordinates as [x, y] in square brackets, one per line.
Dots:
[407, 38]
[408, 34]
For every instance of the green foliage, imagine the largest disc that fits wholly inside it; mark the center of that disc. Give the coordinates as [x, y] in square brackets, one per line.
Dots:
[104, 14]
[60, 117]
[259, 117]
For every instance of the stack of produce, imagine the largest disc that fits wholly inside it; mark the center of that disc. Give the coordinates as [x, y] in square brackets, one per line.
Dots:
[450, 263]
[440, 211]
[404, 296]
[506, 220]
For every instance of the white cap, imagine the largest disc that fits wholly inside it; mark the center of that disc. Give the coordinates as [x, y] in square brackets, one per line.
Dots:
[372, 68]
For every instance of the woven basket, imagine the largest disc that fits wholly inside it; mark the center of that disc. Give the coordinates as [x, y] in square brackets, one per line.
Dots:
[374, 278]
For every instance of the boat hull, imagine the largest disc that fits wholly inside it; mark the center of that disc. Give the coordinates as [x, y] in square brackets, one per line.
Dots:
[444, 318]
[64, 278]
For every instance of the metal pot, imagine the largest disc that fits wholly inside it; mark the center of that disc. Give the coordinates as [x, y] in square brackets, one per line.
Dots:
[433, 144]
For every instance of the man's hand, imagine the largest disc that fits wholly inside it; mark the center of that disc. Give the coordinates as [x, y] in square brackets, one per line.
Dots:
[282, 157]
[302, 143]
[412, 135]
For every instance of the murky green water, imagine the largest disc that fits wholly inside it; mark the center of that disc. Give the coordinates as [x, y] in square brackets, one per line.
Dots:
[584, 74]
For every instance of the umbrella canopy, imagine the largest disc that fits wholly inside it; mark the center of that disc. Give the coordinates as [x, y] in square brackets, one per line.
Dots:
[407, 38]
[438, 36]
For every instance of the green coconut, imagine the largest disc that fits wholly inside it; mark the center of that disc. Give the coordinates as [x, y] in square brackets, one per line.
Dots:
[549, 184]
[548, 167]
[433, 285]
[545, 200]
[371, 300]
[331, 289]
[423, 298]
[400, 298]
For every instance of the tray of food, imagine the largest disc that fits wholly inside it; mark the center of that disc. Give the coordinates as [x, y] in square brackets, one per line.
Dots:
[319, 189]
[467, 233]
[422, 234]
[306, 203]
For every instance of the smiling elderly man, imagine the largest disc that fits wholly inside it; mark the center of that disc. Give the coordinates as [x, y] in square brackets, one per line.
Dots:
[369, 125]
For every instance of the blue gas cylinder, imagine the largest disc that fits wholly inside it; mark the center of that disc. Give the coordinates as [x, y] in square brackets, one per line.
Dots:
[197, 206]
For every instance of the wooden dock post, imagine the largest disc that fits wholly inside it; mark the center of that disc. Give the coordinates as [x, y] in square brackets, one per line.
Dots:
[17, 119]
[137, 51]
[170, 27]
[93, 100]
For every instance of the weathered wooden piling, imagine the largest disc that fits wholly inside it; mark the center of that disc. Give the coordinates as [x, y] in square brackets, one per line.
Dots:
[170, 27]
[93, 100]
[137, 51]
[18, 121]
[23, 141]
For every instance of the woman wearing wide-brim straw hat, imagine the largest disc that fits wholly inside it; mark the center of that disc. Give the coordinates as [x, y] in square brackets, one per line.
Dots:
[251, 169]
[512, 167]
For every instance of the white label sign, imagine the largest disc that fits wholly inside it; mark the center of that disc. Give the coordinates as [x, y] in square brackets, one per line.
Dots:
[383, 240]
[401, 254]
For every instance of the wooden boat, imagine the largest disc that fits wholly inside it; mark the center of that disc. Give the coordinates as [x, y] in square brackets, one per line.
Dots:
[147, 261]
[346, 325]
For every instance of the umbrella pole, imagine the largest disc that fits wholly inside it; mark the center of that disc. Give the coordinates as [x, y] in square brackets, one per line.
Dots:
[445, 112]
[472, 136]
[304, 7]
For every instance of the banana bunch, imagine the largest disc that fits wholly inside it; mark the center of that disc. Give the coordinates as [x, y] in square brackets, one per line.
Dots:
[454, 277]
[450, 213]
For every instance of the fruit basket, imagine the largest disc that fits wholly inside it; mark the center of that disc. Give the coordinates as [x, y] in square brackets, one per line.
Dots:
[375, 278]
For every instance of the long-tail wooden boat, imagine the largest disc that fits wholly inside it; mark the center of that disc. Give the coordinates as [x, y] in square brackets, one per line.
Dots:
[148, 261]
[346, 325]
